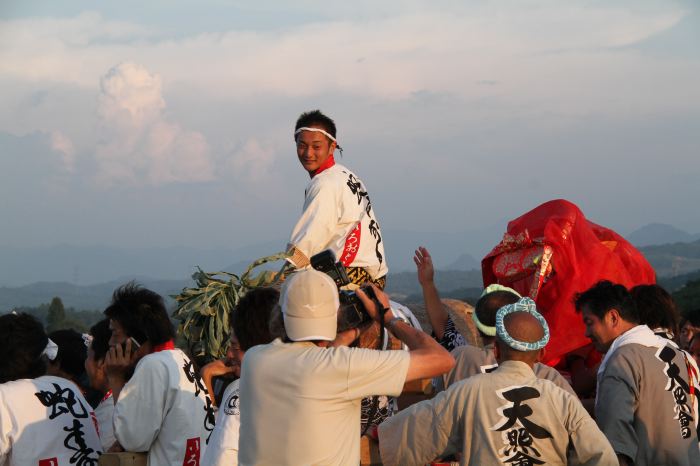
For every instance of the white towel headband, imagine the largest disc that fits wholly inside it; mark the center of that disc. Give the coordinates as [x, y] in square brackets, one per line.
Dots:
[51, 350]
[315, 130]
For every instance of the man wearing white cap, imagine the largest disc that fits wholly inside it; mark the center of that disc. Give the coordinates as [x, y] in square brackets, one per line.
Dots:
[506, 417]
[303, 396]
[338, 213]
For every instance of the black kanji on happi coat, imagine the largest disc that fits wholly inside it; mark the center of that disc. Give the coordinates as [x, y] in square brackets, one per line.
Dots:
[680, 390]
[75, 441]
[356, 188]
[196, 380]
[64, 401]
[519, 432]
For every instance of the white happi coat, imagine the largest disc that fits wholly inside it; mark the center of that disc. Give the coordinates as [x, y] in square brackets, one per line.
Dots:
[223, 444]
[104, 413]
[338, 215]
[164, 409]
[46, 422]
[505, 417]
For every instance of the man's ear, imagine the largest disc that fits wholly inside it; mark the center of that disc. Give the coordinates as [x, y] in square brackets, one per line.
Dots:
[332, 147]
[613, 317]
[540, 354]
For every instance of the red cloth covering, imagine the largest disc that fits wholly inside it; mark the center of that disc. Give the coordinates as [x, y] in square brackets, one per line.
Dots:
[550, 254]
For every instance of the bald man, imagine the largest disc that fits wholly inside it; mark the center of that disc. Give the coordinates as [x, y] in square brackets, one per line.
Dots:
[508, 416]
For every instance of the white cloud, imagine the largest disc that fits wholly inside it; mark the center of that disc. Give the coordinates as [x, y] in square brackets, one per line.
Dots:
[252, 162]
[138, 143]
[390, 56]
[63, 145]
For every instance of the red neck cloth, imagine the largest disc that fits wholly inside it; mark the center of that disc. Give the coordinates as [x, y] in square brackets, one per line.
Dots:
[330, 161]
[168, 345]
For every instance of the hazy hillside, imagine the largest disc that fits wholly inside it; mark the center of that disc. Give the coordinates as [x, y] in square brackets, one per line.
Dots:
[95, 264]
[676, 264]
[674, 259]
[90, 265]
[659, 233]
[80, 297]
[405, 284]
[688, 297]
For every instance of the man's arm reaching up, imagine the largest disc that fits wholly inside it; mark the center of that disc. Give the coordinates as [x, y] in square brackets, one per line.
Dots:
[428, 358]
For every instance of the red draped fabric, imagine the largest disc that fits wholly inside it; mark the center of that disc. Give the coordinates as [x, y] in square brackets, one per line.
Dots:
[550, 254]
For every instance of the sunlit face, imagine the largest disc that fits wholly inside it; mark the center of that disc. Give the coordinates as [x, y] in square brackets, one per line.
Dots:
[601, 331]
[118, 333]
[687, 333]
[234, 355]
[313, 149]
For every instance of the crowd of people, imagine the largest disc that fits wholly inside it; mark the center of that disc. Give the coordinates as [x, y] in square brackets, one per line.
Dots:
[303, 392]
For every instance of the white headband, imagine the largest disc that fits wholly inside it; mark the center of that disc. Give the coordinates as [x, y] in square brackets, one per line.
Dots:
[51, 350]
[316, 130]
[485, 329]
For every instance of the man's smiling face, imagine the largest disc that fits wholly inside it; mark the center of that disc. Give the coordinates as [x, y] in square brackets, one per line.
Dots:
[313, 149]
[601, 331]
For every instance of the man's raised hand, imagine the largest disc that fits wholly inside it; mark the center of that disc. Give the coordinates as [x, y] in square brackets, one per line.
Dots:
[424, 266]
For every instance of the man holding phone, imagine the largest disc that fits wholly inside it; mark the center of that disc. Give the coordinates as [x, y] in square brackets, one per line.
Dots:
[161, 404]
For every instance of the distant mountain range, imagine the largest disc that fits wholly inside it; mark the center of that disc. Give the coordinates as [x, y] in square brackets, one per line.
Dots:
[660, 233]
[671, 260]
[90, 265]
[85, 277]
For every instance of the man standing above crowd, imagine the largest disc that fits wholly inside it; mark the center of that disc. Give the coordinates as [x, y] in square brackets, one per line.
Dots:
[302, 397]
[163, 408]
[647, 388]
[338, 213]
[508, 416]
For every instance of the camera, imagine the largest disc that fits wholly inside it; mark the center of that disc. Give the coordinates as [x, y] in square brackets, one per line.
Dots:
[352, 312]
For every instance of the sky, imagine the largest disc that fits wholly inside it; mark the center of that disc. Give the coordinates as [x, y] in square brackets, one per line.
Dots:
[169, 123]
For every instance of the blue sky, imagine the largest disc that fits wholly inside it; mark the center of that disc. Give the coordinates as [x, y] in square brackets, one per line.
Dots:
[166, 123]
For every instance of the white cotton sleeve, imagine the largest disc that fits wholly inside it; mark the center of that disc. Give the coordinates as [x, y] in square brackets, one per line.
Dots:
[142, 405]
[223, 444]
[318, 223]
[5, 427]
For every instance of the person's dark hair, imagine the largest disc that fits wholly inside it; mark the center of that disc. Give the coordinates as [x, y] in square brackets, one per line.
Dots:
[101, 334]
[488, 305]
[142, 313]
[251, 317]
[72, 352]
[655, 307]
[605, 295]
[693, 317]
[315, 118]
[22, 342]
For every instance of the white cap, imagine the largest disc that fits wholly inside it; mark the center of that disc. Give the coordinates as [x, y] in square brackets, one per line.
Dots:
[309, 302]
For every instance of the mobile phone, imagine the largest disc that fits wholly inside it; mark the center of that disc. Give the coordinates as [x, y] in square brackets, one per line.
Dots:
[134, 345]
